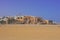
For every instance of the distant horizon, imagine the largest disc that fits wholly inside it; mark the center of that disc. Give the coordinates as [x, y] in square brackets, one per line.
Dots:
[35, 16]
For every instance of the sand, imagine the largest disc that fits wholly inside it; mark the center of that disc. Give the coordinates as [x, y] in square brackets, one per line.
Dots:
[29, 32]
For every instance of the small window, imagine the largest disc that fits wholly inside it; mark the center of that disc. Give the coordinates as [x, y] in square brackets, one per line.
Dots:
[18, 18]
[21, 17]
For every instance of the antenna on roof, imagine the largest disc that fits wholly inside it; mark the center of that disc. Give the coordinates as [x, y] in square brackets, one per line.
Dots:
[19, 14]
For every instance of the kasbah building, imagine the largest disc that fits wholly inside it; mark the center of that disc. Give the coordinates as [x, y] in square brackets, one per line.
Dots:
[24, 20]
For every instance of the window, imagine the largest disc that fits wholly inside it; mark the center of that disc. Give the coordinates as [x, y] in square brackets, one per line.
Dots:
[21, 17]
[18, 18]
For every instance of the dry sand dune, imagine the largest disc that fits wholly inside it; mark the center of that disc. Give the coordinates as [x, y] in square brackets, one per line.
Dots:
[29, 32]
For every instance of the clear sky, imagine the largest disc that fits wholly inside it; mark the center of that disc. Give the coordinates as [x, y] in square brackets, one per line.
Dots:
[48, 9]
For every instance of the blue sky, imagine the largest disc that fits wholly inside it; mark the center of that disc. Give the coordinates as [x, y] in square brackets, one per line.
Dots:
[48, 9]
